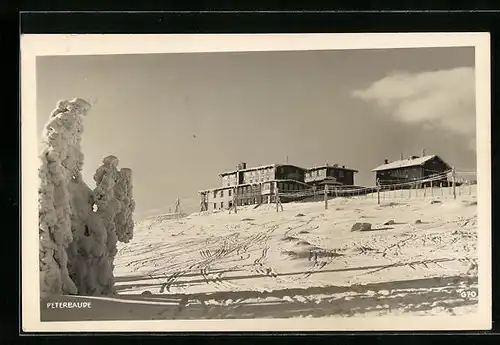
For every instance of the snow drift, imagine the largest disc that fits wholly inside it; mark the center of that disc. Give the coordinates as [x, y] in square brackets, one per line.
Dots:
[79, 227]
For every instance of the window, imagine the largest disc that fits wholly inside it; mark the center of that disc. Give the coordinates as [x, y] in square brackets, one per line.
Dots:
[341, 173]
[221, 193]
[229, 192]
[215, 194]
[317, 172]
[221, 205]
[215, 205]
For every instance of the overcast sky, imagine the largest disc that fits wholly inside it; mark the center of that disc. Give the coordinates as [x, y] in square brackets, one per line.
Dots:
[177, 120]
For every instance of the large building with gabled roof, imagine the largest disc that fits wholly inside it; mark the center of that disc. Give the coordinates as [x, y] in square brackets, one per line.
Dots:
[257, 185]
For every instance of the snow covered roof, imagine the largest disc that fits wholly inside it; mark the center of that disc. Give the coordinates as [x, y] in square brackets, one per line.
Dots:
[403, 163]
[335, 166]
[248, 169]
[259, 168]
[328, 180]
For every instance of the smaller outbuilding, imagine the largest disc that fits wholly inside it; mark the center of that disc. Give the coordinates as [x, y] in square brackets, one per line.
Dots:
[411, 169]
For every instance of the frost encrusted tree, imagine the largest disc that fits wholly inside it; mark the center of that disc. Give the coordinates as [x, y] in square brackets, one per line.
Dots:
[113, 199]
[61, 162]
[96, 228]
[79, 227]
[123, 192]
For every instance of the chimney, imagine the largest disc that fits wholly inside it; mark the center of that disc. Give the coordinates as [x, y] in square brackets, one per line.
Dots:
[401, 157]
[423, 152]
[386, 161]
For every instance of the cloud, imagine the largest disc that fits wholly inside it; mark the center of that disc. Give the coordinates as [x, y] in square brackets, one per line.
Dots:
[443, 99]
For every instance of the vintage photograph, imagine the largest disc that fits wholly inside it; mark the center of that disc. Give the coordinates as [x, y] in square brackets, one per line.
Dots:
[242, 185]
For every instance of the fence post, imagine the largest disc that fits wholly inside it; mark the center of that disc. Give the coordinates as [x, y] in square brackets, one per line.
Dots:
[432, 189]
[453, 182]
[470, 188]
[441, 187]
[378, 191]
[276, 197]
[177, 208]
[203, 205]
[235, 200]
[325, 197]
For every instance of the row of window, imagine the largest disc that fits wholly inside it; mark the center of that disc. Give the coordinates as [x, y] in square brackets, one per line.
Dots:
[259, 175]
[313, 173]
[229, 192]
[242, 202]
[318, 173]
[395, 173]
[262, 178]
[258, 172]
[289, 186]
[284, 186]
[222, 193]
[256, 180]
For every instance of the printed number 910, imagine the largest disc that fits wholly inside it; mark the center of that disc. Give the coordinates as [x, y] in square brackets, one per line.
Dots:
[468, 294]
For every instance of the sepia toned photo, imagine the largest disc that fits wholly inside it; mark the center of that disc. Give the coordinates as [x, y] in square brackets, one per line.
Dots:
[256, 182]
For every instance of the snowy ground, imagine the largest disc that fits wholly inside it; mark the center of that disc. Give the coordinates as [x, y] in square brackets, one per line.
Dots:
[302, 262]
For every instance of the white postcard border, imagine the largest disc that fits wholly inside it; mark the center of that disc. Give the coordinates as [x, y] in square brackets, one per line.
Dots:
[40, 45]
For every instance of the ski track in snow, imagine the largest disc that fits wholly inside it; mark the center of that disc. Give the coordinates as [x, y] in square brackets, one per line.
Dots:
[262, 263]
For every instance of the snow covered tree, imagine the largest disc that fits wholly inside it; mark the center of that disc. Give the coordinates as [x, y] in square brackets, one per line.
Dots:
[61, 162]
[79, 227]
[88, 264]
[97, 227]
[108, 206]
[123, 219]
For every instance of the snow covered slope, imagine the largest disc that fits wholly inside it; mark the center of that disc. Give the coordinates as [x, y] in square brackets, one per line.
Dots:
[303, 262]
